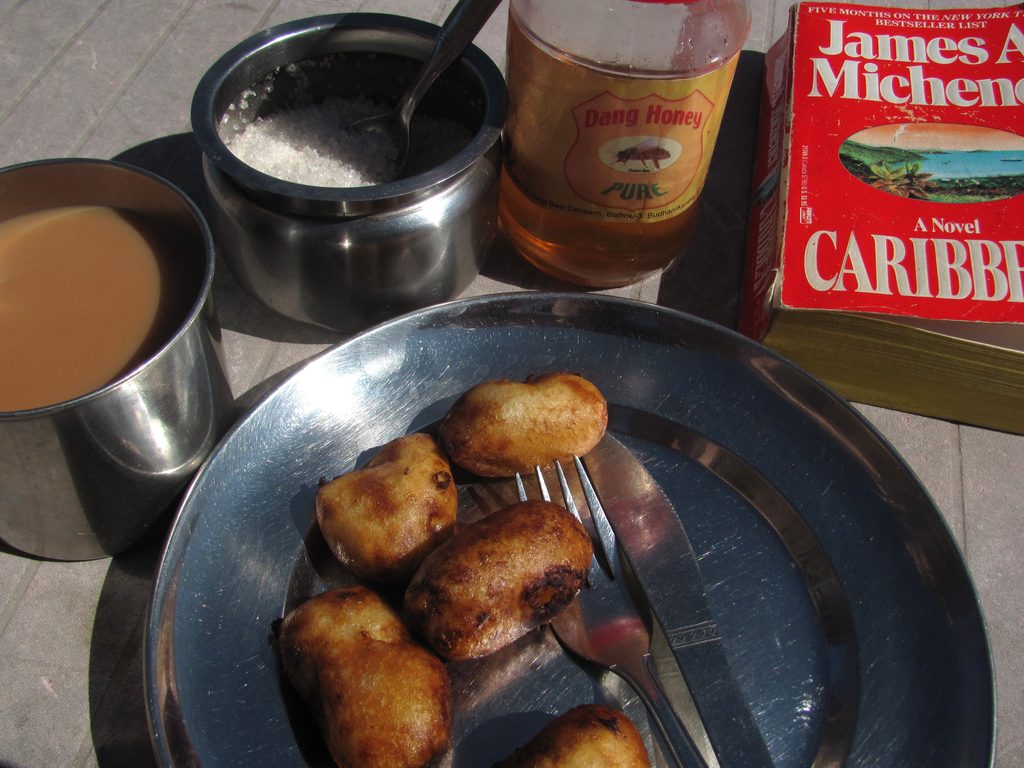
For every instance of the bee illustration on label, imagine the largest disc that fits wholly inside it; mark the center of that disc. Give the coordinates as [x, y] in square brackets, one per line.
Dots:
[648, 150]
[640, 154]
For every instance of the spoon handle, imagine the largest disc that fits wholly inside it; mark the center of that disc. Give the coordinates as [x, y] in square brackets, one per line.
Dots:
[457, 32]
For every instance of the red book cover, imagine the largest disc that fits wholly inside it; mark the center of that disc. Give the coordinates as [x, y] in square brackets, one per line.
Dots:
[890, 170]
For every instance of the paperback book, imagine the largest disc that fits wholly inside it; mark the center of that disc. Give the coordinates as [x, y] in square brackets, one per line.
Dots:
[886, 248]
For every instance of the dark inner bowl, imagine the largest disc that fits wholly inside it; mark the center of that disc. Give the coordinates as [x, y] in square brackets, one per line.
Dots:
[380, 77]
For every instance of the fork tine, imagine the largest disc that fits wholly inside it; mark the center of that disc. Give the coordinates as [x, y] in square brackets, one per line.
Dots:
[570, 504]
[543, 486]
[520, 488]
[563, 484]
[605, 534]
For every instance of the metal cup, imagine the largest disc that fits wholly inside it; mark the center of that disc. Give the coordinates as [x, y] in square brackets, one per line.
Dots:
[95, 475]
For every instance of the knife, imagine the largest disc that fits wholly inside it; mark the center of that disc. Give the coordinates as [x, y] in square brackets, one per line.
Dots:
[658, 551]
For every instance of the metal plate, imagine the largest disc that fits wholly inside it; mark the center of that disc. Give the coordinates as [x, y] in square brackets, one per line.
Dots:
[739, 439]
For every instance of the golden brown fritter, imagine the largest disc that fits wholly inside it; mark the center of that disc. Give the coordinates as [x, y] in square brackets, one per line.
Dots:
[381, 520]
[381, 700]
[501, 427]
[584, 737]
[498, 578]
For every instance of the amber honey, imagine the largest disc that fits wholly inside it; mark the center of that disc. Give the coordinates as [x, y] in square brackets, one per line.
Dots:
[606, 151]
[590, 252]
[80, 293]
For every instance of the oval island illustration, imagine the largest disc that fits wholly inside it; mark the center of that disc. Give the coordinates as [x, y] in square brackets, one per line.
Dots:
[938, 162]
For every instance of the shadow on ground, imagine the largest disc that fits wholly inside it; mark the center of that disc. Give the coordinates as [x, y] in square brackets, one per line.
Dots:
[705, 280]
[117, 706]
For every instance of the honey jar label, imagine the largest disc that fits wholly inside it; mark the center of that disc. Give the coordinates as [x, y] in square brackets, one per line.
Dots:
[637, 154]
[606, 146]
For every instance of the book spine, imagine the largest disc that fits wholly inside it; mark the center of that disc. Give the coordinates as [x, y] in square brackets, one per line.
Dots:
[768, 193]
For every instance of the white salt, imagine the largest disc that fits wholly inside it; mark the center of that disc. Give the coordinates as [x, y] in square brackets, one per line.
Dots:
[310, 144]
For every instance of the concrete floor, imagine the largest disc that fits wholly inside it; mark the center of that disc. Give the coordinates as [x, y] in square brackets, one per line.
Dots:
[114, 78]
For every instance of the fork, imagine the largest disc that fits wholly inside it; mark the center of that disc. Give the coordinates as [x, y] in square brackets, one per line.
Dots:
[605, 627]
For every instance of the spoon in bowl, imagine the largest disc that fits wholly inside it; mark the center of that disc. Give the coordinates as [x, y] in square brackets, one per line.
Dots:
[457, 32]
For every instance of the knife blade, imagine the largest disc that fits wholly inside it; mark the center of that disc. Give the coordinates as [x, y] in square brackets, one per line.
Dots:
[658, 551]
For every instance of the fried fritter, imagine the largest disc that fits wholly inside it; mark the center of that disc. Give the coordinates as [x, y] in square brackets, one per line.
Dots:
[501, 427]
[584, 737]
[380, 521]
[380, 699]
[498, 578]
